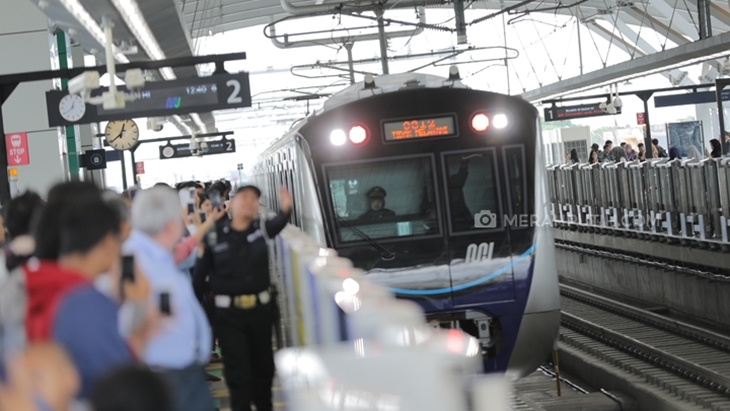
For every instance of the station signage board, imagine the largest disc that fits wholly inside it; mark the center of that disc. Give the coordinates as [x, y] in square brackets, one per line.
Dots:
[139, 167]
[700, 97]
[16, 149]
[580, 111]
[221, 146]
[160, 99]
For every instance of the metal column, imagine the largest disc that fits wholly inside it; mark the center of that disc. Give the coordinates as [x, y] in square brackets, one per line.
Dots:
[705, 18]
[719, 86]
[69, 131]
[4, 181]
[350, 65]
[645, 96]
[383, 41]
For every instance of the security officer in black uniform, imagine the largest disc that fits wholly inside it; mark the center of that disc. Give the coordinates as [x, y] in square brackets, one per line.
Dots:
[237, 261]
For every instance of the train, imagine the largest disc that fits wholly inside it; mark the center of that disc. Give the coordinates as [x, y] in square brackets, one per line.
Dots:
[438, 192]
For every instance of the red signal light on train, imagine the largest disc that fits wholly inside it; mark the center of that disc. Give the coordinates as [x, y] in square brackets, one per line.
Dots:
[358, 134]
[480, 122]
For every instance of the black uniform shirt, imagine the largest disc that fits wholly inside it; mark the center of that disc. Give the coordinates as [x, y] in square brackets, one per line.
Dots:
[238, 261]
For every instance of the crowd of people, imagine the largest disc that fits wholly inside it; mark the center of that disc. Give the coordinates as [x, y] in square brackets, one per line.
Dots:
[114, 302]
[625, 152]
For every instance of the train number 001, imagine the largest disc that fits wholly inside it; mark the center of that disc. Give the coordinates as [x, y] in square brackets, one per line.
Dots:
[479, 252]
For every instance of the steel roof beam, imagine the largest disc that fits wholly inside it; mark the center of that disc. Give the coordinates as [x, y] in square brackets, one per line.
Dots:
[649, 49]
[720, 17]
[638, 15]
[678, 20]
[684, 55]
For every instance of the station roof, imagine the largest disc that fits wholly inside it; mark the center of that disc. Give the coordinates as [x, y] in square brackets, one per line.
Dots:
[651, 35]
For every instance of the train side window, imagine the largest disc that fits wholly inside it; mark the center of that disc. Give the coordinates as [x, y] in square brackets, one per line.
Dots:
[514, 164]
[384, 199]
[472, 190]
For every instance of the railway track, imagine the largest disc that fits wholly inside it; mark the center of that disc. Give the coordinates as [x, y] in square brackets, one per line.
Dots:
[689, 362]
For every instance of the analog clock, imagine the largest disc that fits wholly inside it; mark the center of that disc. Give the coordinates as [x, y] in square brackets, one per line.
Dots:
[72, 107]
[122, 134]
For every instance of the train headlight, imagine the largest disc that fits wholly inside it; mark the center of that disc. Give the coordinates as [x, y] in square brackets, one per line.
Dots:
[358, 134]
[499, 121]
[338, 137]
[480, 122]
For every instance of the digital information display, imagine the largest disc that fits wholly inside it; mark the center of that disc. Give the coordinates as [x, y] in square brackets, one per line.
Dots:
[163, 98]
[419, 128]
[173, 98]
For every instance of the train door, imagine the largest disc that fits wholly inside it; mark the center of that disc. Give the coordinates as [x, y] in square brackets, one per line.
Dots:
[480, 255]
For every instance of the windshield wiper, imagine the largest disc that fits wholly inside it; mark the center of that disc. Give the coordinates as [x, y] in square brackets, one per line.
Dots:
[385, 254]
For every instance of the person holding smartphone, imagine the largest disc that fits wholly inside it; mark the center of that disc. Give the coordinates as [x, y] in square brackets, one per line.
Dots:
[182, 346]
[237, 263]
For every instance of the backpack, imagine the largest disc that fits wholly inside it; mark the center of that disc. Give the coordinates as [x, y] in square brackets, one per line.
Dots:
[662, 151]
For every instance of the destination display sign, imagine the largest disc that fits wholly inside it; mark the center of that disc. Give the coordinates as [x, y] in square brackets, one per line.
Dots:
[419, 128]
[580, 111]
[156, 99]
[222, 146]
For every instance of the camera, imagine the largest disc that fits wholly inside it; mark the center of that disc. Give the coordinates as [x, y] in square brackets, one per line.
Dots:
[134, 79]
[485, 219]
[84, 83]
[155, 123]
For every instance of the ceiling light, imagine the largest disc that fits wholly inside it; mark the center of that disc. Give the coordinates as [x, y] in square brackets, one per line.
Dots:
[78, 11]
[132, 15]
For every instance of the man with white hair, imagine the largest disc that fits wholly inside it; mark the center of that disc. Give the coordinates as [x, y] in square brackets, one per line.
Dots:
[182, 346]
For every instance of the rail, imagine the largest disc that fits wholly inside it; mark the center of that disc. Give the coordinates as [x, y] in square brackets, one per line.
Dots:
[675, 201]
[692, 353]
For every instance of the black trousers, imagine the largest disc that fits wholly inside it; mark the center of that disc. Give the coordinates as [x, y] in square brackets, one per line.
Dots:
[248, 359]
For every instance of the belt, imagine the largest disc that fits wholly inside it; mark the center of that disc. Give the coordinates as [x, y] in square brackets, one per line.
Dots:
[244, 302]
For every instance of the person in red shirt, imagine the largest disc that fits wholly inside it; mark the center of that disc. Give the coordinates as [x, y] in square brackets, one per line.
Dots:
[62, 303]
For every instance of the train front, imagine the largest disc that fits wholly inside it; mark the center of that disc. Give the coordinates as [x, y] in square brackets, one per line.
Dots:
[437, 191]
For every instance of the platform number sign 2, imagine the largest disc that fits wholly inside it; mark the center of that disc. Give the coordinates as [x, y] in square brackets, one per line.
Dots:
[235, 97]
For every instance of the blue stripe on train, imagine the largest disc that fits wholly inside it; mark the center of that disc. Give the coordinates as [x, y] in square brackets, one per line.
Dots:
[470, 284]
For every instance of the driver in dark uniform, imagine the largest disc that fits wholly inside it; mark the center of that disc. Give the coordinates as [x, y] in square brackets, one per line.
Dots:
[377, 210]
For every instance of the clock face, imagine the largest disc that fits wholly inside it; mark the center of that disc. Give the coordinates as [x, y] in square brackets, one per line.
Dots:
[122, 134]
[72, 107]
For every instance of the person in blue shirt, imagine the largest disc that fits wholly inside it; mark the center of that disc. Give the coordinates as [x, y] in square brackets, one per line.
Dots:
[182, 346]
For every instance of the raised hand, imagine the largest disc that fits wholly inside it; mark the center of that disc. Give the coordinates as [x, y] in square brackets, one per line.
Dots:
[285, 200]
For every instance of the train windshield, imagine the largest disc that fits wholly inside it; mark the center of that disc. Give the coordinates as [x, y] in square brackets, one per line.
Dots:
[384, 199]
[471, 182]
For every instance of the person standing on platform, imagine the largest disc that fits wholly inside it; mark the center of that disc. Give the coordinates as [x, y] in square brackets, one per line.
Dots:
[182, 346]
[237, 261]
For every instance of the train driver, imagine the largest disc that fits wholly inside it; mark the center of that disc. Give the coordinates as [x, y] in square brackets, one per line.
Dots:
[377, 210]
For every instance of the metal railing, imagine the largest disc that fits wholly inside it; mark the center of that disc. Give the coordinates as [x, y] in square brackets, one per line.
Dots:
[677, 199]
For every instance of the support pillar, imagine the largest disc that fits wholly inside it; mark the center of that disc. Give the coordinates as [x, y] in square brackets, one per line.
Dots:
[383, 40]
[647, 136]
[25, 42]
[705, 18]
[350, 65]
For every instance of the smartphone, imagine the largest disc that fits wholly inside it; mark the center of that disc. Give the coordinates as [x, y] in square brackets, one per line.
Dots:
[128, 268]
[165, 308]
[215, 200]
[202, 217]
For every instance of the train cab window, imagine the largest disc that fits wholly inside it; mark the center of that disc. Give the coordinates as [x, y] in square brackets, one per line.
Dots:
[472, 190]
[514, 164]
[384, 199]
